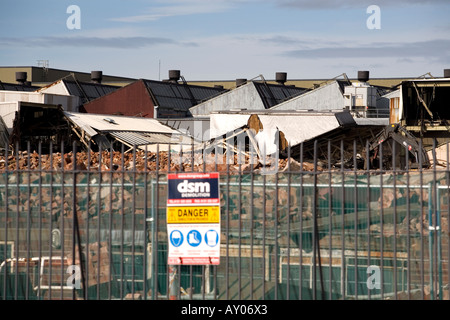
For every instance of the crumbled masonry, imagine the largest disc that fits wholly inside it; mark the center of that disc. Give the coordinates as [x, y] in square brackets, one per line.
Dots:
[141, 161]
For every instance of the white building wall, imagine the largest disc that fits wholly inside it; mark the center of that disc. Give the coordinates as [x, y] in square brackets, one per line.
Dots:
[68, 103]
[243, 97]
[57, 87]
[8, 113]
[327, 97]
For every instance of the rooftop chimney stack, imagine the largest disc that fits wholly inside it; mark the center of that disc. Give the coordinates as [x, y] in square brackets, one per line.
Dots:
[281, 77]
[174, 76]
[21, 77]
[446, 73]
[240, 82]
[96, 76]
[363, 76]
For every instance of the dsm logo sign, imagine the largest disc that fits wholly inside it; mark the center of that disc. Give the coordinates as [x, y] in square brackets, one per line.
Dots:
[193, 186]
[186, 188]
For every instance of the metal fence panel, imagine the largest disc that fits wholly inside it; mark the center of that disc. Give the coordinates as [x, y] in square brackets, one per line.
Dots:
[93, 227]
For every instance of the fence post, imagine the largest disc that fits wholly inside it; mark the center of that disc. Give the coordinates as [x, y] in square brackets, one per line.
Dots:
[173, 283]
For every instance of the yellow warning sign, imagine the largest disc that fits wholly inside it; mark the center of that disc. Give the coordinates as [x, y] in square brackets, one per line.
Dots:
[194, 214]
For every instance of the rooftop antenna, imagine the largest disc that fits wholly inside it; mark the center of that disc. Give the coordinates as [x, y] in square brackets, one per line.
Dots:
[44, 65]
[159, 70]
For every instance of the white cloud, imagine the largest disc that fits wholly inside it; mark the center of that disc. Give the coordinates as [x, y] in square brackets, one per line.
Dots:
[174, 8]
[437, 49]
[91, 42]
[333, 4]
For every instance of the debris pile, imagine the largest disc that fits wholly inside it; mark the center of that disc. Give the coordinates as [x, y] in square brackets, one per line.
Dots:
[146, 161]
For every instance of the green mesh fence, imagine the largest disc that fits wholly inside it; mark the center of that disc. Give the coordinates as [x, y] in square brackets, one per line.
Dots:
[330, 235]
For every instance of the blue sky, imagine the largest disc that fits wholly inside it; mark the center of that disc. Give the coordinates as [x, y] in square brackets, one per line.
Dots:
[225, 40]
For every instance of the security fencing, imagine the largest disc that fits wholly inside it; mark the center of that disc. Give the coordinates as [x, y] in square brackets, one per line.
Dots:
[93, 226]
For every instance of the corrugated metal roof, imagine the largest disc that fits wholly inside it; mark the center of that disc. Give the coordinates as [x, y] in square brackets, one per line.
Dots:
[110, 123]
[16, 87]
[198, 128]
[273, 94]
[177, 96]
[139, 138]
[132, 131]
[88, 91]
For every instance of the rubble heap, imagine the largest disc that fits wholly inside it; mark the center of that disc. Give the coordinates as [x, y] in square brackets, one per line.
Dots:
[144, 161]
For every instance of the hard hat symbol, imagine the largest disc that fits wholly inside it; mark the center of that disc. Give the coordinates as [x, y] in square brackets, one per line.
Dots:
[176, 238]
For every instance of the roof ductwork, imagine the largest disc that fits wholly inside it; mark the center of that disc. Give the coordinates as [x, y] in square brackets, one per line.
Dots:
[363, 76]
[446, 73]
[21, 77]
[96, 76]
[174, 75]
[281, 77]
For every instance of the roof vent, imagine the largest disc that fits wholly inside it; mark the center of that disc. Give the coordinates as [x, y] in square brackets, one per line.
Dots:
[96, 76]
[174, 76]
[446, 73]
[363, 76]
[281, 77]
[21, 77]
[110, 120]
[240, 82]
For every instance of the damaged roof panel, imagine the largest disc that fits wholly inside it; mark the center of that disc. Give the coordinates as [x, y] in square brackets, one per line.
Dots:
[296, 126]
[139, 138]
[111, 123]
[132, 131]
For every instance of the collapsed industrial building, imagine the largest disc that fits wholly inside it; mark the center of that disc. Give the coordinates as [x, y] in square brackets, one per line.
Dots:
[361, 111]
[318, 182]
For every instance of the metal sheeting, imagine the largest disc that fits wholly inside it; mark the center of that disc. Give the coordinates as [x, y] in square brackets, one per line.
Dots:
[326, 97]
[198, 128]
[250, 96]
[139, 138]
[274, 94]
[88, 91]
[111, 123]
[16, 87]
[296, 126]
[131, 131]
[179, 96]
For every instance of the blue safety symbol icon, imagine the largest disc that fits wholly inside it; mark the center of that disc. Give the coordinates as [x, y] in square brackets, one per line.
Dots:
[211, 238]
[176, 238]
[194, 238]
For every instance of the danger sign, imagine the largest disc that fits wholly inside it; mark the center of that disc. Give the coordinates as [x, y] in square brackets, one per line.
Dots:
[193, 219]
[193, 214]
